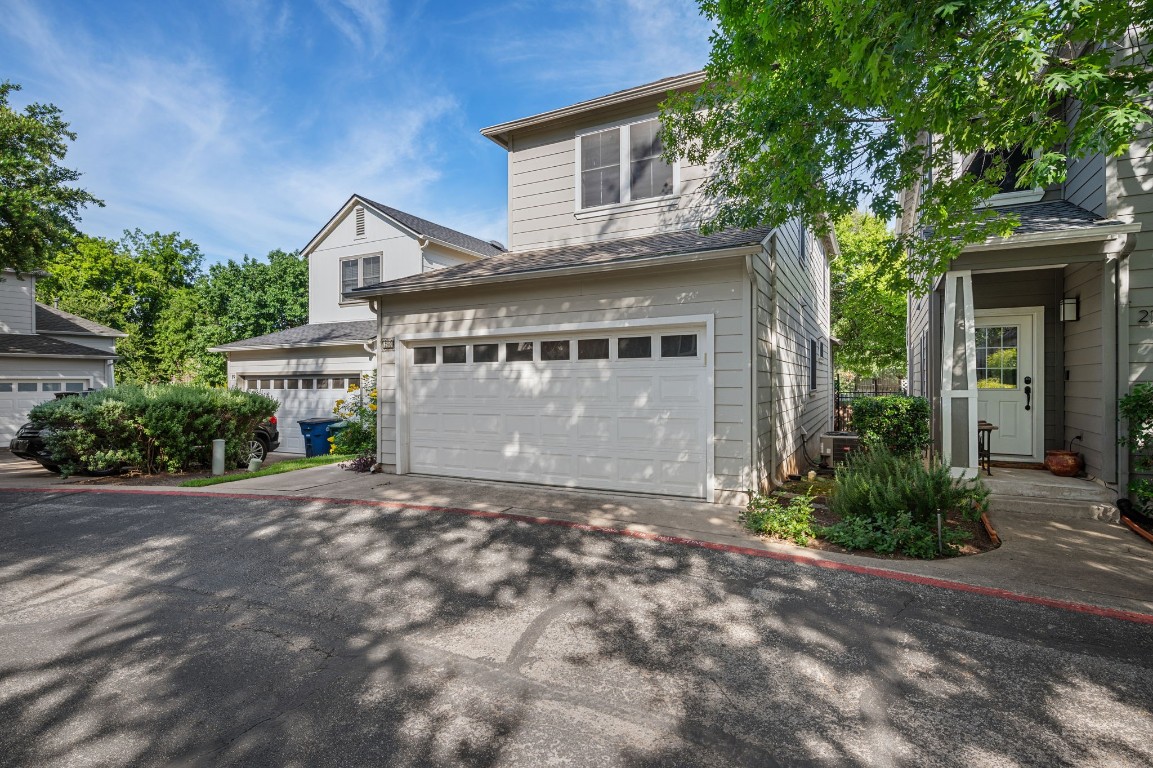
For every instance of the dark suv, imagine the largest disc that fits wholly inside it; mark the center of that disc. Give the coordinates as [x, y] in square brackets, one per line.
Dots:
[29, 441]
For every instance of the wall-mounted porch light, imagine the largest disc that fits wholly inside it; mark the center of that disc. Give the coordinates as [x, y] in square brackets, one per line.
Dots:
[1070, 309]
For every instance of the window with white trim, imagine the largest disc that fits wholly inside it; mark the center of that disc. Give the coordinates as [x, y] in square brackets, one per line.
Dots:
[812, 365]
[623, 164]
[359, 271]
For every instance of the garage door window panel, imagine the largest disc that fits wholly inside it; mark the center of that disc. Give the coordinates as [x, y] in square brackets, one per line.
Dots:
[518, 351]
[679, 345]
[5, 386]
[593, 349]
[453, 354]
[555, 350]
[634, 347]
[26, 386]
[485, 353]
[424, 355]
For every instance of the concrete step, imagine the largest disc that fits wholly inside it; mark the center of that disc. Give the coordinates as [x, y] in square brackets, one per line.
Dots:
[1045, 486]
[1054, 509]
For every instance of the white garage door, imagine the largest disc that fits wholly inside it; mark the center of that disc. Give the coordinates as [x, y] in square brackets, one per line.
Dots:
[18, 397]
[301, 396]
[618, 411]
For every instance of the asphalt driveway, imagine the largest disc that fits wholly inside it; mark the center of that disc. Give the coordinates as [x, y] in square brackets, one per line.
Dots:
[159, 630]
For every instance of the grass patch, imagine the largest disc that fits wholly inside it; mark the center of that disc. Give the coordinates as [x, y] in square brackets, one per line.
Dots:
[274, 469]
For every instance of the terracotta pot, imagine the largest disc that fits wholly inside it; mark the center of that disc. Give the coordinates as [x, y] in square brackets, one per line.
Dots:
[1063, 463]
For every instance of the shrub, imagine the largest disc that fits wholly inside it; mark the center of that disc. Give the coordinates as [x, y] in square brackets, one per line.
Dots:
[766, 514]
[159, 427]
[899, 423]
[888, 502]
[1137, 409]
[358, 410]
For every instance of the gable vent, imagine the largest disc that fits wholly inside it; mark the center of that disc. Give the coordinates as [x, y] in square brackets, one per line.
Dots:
[360, 221]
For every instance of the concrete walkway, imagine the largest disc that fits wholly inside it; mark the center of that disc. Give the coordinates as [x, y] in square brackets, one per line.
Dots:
[1077, 560]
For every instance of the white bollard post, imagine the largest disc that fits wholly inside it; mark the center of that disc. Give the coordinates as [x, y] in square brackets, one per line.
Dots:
[217, 458]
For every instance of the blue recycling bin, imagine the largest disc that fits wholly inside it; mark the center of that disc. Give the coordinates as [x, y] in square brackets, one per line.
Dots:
[315, 433]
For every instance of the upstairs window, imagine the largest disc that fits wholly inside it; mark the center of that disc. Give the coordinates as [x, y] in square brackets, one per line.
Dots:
[1013, 159]
[359, 271]
[620, 165]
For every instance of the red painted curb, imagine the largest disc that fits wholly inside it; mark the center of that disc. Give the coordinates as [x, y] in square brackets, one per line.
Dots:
[867, 570]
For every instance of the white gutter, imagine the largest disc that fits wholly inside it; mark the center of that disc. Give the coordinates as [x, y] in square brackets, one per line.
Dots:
[578, 269]
[345, 343]
[1063, 237]
[497, 133]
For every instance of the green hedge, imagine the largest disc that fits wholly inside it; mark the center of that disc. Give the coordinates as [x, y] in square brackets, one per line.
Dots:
[900, 424]
[167, 427]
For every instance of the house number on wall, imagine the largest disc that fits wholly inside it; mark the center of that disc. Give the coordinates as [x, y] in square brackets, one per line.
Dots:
[1145, 317]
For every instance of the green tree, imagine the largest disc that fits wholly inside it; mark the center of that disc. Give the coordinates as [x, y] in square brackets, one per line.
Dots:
[868, 312]
[38, 207]
[246, 299]
[134, 285]
[813, 105]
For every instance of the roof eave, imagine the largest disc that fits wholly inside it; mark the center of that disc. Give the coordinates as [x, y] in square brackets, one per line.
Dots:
[85, 334]
[1061, 237]
[499, 133]
[580, 269]
[59, 355]
[298, 345]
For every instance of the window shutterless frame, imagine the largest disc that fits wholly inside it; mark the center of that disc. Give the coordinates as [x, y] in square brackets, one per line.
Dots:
[368, 269]
[625, 143]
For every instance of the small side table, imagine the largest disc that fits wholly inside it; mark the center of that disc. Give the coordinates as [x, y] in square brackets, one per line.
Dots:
[985, 446]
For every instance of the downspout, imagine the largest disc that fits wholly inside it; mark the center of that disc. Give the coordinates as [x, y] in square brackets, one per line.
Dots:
[754, 457]
[1122, 362]
[374, 354]
[773, 352]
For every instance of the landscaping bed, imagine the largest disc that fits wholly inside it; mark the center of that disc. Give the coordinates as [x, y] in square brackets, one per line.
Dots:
[884, 500]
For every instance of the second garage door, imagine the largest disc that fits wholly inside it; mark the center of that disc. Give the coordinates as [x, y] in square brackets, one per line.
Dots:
[623, 411]
[301, 396]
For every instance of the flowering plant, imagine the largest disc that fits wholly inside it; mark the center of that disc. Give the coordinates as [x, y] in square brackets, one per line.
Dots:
[358, 411]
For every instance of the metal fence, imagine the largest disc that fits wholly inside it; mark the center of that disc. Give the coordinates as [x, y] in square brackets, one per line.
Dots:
[843, 402]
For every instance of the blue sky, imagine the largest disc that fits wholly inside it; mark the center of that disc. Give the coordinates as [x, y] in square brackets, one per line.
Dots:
[245, 124]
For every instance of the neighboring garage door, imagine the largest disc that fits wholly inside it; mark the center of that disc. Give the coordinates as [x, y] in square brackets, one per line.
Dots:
[626, 411]
[301, 396]
[18, 397]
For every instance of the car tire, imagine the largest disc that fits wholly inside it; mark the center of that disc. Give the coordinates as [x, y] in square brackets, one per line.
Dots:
[257, 449]
[50, 467]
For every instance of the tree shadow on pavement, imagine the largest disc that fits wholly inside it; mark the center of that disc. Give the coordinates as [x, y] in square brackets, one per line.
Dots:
[179, 629]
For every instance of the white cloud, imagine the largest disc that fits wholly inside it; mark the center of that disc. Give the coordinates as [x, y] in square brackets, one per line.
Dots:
[611, 44]
[363, 22]
[171, 144]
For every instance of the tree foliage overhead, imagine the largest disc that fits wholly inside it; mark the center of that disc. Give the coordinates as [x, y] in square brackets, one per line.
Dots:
[130, 285]
[152, 287]
[250, 298]
[39, 209]
[868, 313]
[813, 106]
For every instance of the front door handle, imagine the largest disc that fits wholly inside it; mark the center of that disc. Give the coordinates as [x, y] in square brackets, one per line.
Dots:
[1028, 396]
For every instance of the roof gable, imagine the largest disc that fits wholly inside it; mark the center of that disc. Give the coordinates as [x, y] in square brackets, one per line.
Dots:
[53, 320]
[414, 226]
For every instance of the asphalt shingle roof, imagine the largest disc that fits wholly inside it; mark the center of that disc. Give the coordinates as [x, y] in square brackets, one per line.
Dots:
[437, 232]
[52, 320]
[31, 345]
[1051, 216]
[527, 263]
[353, 332]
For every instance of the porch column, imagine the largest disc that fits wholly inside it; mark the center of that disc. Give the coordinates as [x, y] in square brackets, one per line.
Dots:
[959, 376]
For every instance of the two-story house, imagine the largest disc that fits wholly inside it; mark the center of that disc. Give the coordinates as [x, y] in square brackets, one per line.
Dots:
[44, 350]
[1042, 332]
[308, 368]
[613, 346]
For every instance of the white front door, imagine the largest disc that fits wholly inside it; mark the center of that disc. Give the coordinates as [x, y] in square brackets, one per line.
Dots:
[1010, 380]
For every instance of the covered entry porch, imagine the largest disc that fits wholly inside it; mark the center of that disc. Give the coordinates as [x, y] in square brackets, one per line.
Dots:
[1029, 336]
